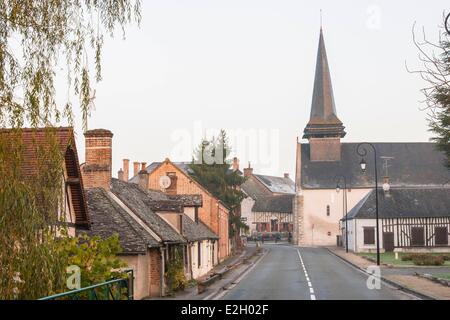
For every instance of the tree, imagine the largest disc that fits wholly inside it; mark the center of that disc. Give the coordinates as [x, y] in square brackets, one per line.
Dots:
[34, 35]
[435, 60]
[211, 168]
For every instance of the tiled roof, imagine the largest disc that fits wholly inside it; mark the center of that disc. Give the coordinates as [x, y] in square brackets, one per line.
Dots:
[404, 203]
[277, 203]
[413, 164]
[135, 198]
[254, 189]
[277, 184]
[39, 138]
[196, 231]
[109, 218]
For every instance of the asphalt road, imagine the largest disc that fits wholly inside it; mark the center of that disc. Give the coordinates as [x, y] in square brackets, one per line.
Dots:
[292, 273]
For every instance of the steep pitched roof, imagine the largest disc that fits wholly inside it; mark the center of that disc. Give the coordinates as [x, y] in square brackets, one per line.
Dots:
[323, 119]
[254, 189]
[184, 168]
[135, 198]
[404, 203]
[109, 218]
[277, 184]
[196, 231]
[34, 138]
[413, 164]
[278, 203]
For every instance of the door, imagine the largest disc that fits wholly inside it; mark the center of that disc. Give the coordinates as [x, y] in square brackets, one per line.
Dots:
[388, 241]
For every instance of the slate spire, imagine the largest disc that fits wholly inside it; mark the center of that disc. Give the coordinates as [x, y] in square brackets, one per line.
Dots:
[323, 120]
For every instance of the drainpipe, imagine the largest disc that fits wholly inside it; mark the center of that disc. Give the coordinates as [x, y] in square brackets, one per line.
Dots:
[163, 290]
[189, 257]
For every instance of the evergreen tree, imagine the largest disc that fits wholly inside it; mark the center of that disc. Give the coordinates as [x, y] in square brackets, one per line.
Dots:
[212, 169]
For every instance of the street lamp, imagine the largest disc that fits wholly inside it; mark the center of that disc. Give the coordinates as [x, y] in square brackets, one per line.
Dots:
[344, 205]
[362, 151]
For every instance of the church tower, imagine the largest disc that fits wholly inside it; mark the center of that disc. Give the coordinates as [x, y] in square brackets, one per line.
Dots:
[324, 129]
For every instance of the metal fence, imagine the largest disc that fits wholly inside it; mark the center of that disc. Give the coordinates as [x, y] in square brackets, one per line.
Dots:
[117, 289]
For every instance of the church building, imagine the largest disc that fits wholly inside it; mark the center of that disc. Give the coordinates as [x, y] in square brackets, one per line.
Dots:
[318, 206]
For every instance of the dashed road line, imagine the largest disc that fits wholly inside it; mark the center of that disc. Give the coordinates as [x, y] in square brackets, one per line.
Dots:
[311, 289]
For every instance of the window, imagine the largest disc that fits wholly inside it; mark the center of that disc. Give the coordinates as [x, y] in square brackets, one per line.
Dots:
[328, 211]
[369, 235]
[441, 236]
[199, 254]
[417, 236]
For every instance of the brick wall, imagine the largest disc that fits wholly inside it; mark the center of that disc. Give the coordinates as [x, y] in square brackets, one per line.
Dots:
[208, 213]
[96, 170]
[155, 273]
[325, 149]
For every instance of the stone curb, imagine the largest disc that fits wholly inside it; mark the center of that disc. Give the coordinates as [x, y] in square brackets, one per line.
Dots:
[392, 283]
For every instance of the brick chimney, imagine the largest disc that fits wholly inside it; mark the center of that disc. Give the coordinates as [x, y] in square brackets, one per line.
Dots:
[120, 175]
[248, 171]
[97, 168]
[126, 169]
[235, 164]
[143, 165]
[143, 179]
[286, 175]
[135, 168]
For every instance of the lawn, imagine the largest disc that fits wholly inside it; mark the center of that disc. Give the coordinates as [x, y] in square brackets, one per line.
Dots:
[389, 258]
[445, 276]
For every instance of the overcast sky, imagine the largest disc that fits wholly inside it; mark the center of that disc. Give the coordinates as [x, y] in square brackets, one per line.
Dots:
[248, 66]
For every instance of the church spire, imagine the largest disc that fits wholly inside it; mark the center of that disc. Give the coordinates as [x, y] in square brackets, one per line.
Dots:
[323, 120]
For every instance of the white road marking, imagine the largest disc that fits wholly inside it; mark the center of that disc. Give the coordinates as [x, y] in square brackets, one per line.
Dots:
[311, 289]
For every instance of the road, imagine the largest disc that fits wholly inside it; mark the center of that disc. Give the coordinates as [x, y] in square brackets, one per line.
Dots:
[292, 273]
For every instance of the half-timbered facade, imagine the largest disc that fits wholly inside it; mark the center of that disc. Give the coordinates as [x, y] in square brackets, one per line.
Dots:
[318, 208]
[415, 219]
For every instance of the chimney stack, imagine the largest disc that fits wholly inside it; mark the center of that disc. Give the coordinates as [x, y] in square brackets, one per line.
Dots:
[143, 165]
[135, 168]
[286, 175]
[126, 169]
[235, 164]
[143, 179]
[120, 175]
[248, 171]
[96, 171]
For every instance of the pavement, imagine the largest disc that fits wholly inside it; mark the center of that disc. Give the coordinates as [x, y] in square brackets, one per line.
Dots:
[403, 277]
[238, 268]
[293, 273]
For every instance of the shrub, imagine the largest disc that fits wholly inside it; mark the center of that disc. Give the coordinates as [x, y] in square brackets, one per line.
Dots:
[176, 279]
[411, 256]
[428, 260]
[445, 256]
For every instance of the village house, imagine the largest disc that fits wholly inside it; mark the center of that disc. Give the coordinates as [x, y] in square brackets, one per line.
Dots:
[410, 219]
[153, 227]
[201, 252]
[318, 208]
[73, 214]
[268, 206]
[175, 178]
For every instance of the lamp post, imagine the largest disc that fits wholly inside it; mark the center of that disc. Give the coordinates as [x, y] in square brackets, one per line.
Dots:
[362, 151]
[344, 204]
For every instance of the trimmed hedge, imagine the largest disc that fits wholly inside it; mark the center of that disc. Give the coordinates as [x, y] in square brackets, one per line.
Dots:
[424, 259]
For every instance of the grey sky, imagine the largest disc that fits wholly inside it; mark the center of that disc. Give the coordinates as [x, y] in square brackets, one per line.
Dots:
[238, 64]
